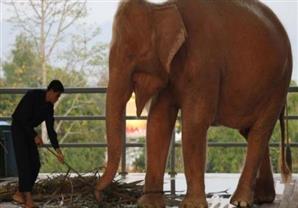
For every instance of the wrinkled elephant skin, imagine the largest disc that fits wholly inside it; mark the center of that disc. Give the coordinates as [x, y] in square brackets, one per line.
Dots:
[220, 62]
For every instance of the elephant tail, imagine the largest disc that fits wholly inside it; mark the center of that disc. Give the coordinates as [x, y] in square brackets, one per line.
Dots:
[285, 153]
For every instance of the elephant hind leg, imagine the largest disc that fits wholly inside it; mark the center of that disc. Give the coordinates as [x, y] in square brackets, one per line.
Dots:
[264, 191]
[257, 161]
[257, 142]
[244, 133]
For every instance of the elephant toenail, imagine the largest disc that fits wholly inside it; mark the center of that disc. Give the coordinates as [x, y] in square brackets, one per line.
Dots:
[235, 203]
[243, 204]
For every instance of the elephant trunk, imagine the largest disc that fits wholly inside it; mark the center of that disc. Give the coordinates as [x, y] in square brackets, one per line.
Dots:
[118, 93]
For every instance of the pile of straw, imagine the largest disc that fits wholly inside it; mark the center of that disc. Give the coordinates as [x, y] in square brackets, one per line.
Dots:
[68, 191]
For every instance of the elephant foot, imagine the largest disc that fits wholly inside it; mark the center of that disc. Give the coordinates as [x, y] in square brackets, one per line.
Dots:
[264, 192]
[264, 198]
[194, 202]
[152, 200]
[243, 197]
[98, 195]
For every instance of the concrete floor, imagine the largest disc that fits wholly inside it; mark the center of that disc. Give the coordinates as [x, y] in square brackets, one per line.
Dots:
[287, 196]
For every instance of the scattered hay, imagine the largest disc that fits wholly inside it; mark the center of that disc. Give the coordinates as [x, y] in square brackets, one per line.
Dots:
[77, 192]
[68, 191]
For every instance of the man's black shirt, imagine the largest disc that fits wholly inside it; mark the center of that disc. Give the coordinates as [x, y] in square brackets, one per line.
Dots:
[32, 111]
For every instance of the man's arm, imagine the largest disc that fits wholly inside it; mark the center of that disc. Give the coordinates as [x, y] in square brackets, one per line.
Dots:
[50, 128]
[53, 135]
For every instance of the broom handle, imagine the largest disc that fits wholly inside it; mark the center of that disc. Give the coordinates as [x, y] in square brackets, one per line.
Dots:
[65, 163]
[69, 167]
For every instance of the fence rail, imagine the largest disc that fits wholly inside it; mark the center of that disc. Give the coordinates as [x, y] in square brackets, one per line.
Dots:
[125, 144]
[210, 144]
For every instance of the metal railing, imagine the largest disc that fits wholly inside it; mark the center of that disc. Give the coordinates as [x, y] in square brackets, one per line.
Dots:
[125, 145]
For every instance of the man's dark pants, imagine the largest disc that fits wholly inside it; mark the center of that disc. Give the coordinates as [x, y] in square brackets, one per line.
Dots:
[27, 158]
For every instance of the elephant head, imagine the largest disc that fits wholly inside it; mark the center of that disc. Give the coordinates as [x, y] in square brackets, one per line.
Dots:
[145, 39]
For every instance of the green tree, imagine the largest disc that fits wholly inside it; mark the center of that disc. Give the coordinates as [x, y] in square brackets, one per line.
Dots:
[46, 22]
[25, 65]
[19, 72]
[77, 104]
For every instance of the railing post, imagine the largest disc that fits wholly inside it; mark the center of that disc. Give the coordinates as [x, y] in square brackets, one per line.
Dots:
[123, 171]
[172, 161]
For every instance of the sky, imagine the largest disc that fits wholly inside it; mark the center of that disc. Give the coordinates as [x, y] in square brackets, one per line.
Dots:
[101, 13]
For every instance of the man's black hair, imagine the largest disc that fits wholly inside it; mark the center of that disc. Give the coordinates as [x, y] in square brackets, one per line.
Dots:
[56, 86]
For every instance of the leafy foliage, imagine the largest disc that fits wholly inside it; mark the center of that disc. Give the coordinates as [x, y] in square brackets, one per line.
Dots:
[24, 66]
[22, 71]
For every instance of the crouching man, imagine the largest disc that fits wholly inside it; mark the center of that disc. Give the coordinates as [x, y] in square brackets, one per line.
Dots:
[35, 107]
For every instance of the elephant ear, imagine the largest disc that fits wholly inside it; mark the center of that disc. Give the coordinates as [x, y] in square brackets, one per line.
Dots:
[170, 33]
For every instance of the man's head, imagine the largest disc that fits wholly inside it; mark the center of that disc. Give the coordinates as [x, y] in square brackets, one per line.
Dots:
[54, 90]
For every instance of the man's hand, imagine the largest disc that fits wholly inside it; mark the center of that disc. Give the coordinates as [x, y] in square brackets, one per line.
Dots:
[38, 140]
[60, 155]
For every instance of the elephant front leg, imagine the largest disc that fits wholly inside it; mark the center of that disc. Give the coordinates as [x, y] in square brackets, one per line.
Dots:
[194, 141]
[161, 121]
